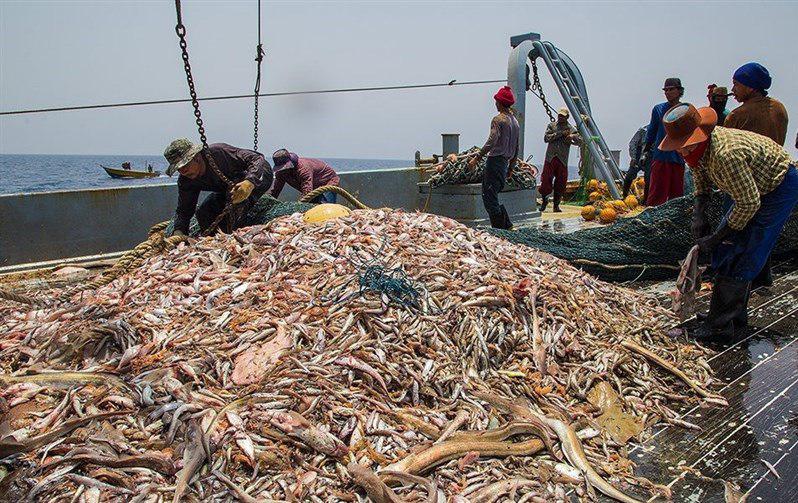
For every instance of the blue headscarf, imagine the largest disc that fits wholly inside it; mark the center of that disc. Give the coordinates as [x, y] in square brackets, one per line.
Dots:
[754, 76]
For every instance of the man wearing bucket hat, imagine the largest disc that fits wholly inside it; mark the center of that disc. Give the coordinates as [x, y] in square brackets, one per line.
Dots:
[502, 151]
[667, 168]
[718, 97]
[304, 174]
[762, 182]
[761, 114]
[560, 136]
[248, 170]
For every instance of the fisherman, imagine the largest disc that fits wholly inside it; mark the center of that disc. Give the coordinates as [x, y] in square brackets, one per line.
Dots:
[761, 114]
[560, 136]
[636, 145]
[248, 170]
[667, 168]
[304, 174]
[762, 182]
[149, 168]
[718, 98]
[502, 151]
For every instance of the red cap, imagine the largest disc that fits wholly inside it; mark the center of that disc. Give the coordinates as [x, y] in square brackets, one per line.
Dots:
[505, 96]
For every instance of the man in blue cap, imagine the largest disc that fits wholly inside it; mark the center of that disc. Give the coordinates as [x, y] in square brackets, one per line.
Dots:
[759, 113]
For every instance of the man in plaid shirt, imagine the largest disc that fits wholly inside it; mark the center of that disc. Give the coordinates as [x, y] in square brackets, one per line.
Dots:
[762, 181]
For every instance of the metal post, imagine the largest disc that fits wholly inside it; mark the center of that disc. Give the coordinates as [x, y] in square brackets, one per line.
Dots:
[450, 143]
[516, 78]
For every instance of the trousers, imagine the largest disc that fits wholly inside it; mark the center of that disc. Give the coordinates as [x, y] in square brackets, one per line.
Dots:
[493, 180]
[667, 182]
[744, 253]
[553, 178]
[325, 197]
[213, 205]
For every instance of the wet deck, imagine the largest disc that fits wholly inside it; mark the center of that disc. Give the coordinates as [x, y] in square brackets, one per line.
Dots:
[760, 425]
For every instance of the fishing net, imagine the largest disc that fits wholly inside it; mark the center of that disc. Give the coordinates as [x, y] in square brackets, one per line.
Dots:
[266, 209]
[586, 173]
[648, 246]
[457, 173]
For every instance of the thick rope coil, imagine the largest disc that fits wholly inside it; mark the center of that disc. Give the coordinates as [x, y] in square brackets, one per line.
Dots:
[338, 190]
[155, 243]
[22, 299]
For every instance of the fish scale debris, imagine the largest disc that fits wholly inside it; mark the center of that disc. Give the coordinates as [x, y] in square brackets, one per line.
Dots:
[220, 370]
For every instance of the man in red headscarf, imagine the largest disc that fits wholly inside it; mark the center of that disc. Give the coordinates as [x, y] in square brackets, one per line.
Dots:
[502, 151]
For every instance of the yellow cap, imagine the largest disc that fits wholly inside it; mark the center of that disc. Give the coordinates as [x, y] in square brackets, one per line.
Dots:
[323, 212]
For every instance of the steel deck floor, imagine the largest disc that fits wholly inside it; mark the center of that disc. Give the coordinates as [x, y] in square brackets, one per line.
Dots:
[760, 425]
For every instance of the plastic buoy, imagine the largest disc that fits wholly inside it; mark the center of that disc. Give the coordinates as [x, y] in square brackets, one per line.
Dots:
[323, 212]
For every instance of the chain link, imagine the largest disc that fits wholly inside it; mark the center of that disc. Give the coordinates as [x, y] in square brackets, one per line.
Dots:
[259, 59]
[180, 29]
[537, 90]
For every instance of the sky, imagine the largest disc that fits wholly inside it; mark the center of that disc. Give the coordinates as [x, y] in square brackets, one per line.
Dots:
[74, 53]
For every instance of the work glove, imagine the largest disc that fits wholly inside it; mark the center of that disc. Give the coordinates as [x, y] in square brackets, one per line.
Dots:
[699, 226]
[707, 244]
[242, 190]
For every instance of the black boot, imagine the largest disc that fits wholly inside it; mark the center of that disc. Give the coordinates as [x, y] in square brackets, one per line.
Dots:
[557, 199]
[544, 203]
[727, 310]
[496, 220]
[627, 184]
[765, 276]
[506, 223]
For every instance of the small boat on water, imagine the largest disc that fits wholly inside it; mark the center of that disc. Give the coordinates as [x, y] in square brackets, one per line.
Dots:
[126, 172]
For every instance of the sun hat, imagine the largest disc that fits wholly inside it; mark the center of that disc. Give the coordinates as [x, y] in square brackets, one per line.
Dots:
[672, 82]
[179, 153]
[283, 159]
[685, 125]
[563, 111]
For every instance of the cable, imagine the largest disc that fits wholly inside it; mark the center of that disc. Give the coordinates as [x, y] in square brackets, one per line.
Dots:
[244, 96]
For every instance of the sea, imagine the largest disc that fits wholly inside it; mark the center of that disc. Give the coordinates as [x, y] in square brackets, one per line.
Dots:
[40, 173]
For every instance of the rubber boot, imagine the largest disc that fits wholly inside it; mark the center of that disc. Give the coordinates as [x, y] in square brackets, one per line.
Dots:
[729, 304]
[557, 199]
[627, 184]
[765, 276]
[507, 224]
[544, 203]
[496, 220]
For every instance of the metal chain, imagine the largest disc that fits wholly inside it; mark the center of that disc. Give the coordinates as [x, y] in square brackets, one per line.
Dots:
[537, 90]
[180, 29]
[259, 59]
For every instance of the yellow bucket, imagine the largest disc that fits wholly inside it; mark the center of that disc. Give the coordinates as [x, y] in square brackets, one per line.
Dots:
[323, 212]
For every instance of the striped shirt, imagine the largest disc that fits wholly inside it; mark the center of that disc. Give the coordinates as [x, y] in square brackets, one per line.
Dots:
[744, 165]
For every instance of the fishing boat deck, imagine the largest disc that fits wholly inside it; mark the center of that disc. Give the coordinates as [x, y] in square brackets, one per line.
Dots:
[753, 442]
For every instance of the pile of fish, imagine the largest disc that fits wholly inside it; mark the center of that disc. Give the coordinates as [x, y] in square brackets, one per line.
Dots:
[259, 366]
[454, 171]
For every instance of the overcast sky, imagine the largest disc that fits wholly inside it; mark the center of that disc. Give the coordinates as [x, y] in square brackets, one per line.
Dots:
[73, 53]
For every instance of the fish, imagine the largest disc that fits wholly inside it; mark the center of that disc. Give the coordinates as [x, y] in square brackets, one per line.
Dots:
[688, 284]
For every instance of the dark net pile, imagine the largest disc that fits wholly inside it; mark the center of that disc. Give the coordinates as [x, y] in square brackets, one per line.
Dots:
[648, 246]
[266, 209]
[457, 173]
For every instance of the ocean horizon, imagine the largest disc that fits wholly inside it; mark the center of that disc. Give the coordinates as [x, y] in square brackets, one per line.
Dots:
[30, 173]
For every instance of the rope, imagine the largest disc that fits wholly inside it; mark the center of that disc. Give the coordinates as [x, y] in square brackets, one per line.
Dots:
[156, 243]
[313, 194]
[248, 96]
[22, 299]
